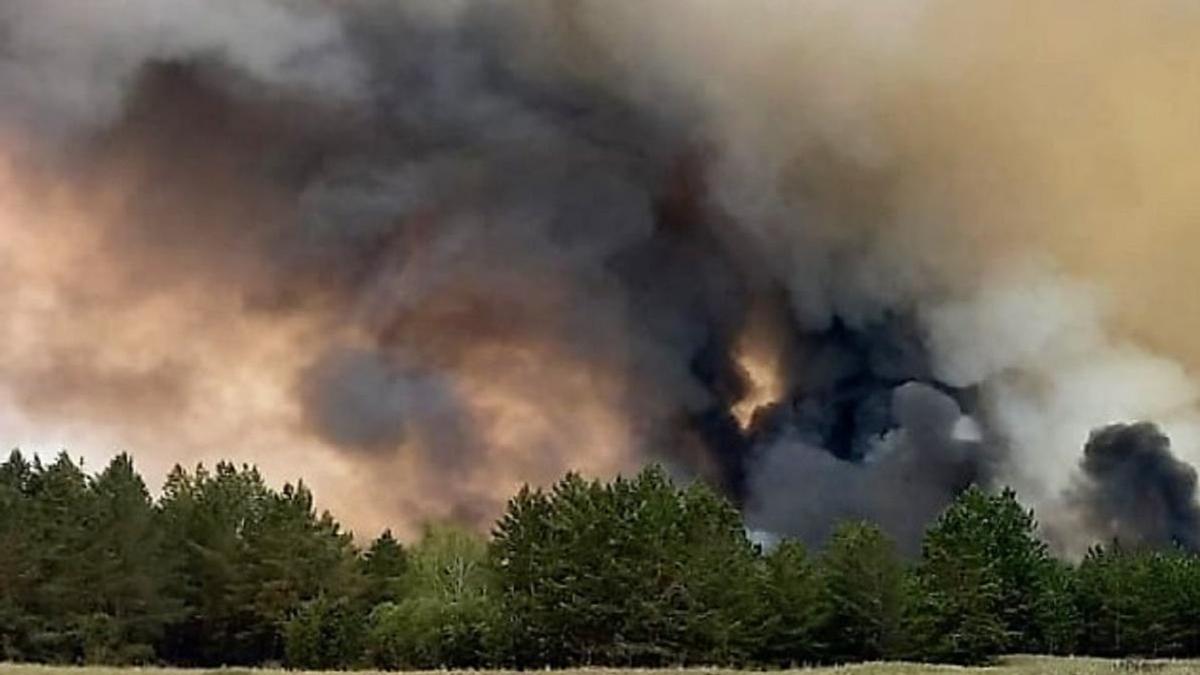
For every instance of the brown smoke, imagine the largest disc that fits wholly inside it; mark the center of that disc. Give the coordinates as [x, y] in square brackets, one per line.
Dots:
[983, 161]
[422, 253]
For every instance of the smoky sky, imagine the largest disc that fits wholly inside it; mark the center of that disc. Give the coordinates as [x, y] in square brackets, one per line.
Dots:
[453, 247]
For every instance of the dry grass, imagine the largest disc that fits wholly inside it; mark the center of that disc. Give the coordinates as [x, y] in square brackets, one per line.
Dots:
[1019, 665]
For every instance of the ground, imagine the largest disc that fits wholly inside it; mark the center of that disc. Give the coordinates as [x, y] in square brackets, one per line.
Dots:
[1021, 665]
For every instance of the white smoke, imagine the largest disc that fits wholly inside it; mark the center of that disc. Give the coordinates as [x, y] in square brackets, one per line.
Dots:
[67, 65]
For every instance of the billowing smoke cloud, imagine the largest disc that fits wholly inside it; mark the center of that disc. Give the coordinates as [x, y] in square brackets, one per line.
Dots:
[922, 453]
[1135, 491]
[839, 261]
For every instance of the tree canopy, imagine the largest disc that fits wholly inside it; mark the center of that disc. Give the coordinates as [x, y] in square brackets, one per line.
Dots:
[223, 569]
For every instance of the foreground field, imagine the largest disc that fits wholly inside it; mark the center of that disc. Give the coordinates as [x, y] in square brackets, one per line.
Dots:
[1019, 665]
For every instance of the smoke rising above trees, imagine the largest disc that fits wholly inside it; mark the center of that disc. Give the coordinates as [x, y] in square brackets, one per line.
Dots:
[1135, 490]
[836, 261]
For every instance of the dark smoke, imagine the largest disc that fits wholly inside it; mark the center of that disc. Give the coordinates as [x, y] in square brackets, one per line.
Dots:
[456, 213]
[915, 451]
[1135, 490]
[500, 255]
[360, 400]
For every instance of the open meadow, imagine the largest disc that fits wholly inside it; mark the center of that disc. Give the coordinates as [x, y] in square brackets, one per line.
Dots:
[1017, 665]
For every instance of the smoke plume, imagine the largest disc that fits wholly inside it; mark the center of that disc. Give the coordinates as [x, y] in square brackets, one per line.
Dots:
[1135, 490]
[837, 260]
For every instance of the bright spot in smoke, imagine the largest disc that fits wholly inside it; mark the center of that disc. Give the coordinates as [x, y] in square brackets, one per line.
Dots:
[967, 429]
[762, 367]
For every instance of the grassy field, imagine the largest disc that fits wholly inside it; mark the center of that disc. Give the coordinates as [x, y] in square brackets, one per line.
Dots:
[1020, 665]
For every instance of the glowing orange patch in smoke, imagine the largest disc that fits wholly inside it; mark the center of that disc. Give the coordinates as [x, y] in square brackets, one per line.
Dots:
[759, 355]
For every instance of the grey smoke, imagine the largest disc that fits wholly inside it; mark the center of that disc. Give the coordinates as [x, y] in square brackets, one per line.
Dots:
[68, 64]
[1134, 490]
[360, 401]
[499, 216]
[915, 467]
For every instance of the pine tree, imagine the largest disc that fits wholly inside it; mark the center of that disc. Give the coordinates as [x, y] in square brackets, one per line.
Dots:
[19, 568]
[632, 572]
[326, 633]
[1058, 621]
[383, 566]
[863, 581]
[1184, 605]
[128, 575]
[247, 558]
[63, 506]
[720, 574]
[1138, 602]
[962, 581]
[794, 607]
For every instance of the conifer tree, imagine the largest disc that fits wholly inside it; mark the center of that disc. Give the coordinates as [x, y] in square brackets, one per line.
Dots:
[63, 505]
[632, 572]
[383, 565]
[863, 580]
[127, 576]
[19, 568]
[962, 581]
[794, 607]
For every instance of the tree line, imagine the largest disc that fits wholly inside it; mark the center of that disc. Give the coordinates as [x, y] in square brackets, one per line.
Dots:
[222, 569]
